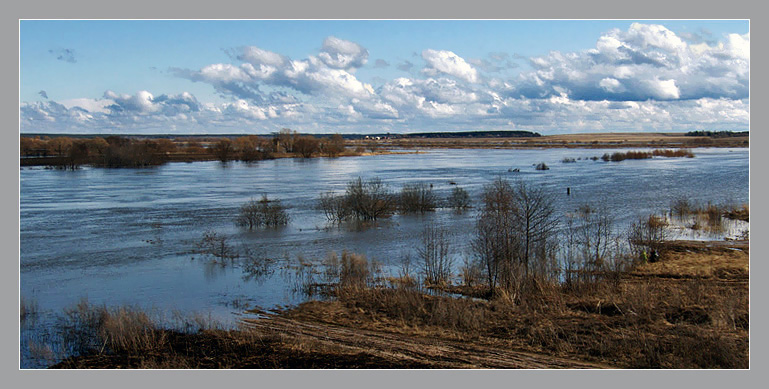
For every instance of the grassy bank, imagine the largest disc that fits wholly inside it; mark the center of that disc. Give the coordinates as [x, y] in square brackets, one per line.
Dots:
[687, 310]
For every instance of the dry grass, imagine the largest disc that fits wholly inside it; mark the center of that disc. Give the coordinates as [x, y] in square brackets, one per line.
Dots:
[689, 310]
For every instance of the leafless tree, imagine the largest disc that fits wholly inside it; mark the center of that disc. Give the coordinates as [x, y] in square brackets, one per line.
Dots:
[334, 146]
[265, 212]
[335, 207]
[370, 200]
[495, 241]
[306, 145]
[647, 235]
[536, 224]
[417, 198]
[223, 150]
[459, 200]
[515, 235]
[434, 253]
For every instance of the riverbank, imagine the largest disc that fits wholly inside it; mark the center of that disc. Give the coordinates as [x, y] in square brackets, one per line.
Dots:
[396, 145]
[687, 310]
[592, 141]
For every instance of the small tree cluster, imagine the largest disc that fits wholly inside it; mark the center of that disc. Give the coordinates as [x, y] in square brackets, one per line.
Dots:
[459, 200]
[252, 148]
[333, 146]
[262, 213]
[306, 145]
[515, 236]
[363, 200]
[369, 200]
[417, 198]
[590, 245]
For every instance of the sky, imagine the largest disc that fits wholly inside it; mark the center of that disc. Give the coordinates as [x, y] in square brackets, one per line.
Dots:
[256, 77]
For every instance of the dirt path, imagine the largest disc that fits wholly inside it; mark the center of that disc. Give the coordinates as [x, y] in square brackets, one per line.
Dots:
[438, 352]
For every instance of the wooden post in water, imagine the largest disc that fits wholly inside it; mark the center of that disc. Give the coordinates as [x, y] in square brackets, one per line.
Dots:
[568, 191]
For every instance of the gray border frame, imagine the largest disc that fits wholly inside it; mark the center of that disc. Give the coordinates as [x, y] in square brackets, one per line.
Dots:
[351, 9]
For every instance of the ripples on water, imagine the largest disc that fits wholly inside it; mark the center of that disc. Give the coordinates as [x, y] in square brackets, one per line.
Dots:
[124, 236]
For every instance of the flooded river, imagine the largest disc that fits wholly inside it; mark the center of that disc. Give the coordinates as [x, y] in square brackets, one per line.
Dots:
[126, 236]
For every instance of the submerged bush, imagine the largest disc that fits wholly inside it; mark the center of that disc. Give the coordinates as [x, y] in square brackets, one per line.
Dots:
[369, 200]
[619, 156]
[417, 198]
[459, 199]
[262, 213]
[335, 207]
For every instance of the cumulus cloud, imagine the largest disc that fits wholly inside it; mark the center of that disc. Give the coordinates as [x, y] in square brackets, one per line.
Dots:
[327, 74]
[644, 78]
[644, 62]
[446, 62]
[341, 54]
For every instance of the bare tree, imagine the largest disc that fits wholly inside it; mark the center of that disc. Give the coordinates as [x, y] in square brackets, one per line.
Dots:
[285, 139]
[306, 145]
[459, 200]
[335, 207]
[495, 242]
[536, 223]
[434, 253]
[417, 198]
[648, 234]
[334, 146]
[515, 235]
[265, 212]
[223, 150]
[370, 200]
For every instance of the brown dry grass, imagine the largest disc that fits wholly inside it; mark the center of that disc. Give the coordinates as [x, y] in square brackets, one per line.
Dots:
[596, 140]
[688, 310]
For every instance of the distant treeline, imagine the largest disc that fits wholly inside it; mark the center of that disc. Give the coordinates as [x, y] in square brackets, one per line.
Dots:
[118, 151]
[210, 137]
[473, 134]
[718, 134]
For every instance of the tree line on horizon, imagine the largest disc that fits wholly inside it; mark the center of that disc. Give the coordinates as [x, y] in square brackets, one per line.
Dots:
[120, 151]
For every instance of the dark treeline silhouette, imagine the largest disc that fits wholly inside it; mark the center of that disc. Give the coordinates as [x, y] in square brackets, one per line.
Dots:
[718, 134]
[119, 151]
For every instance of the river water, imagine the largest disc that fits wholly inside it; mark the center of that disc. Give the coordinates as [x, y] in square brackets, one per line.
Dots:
[126, 236]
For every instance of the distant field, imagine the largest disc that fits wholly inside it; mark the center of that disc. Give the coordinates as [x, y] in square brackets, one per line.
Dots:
[598, 140]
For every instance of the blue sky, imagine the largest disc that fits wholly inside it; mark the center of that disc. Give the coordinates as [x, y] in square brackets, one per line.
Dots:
[377, 76]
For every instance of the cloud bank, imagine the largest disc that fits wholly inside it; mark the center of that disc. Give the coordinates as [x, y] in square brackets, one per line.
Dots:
[645, 78]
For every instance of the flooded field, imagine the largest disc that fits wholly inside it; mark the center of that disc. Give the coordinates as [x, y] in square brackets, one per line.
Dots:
[127, 236]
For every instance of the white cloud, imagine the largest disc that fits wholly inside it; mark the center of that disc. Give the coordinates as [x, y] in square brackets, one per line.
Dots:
[644, 62]
[444, 61]
[611, 84]
[644, 78]
[341, 54]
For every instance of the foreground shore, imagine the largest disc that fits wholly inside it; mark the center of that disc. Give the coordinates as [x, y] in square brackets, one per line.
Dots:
[688, 310]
